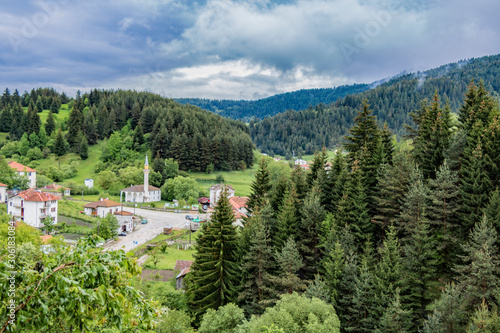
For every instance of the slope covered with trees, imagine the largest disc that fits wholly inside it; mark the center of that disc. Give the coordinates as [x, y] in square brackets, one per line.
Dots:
[270, 106]
[133, 122]
[392, 102]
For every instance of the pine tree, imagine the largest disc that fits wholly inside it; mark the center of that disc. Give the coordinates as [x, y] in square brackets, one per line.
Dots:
[393, 181]
[318, 165]
[492, 149]
[84, 149]
[415, 205]
[492, 212]
[333, 265]
[309, 230]
[389, 271]
[443, 214]
[54, 107]
[214, 268]
[260, 187]
[290, 262]
[5, 119]
[75, 125]
[32, 122]
[256, 265]
[138, 139]
[50, 124]
[448, 313]
[59, 144]
[474, 189]
[288, 220]
[39, 104]
[478, 106]
[346, 288]
[420, 262]
[89, 127]
[318, 289]
[395, 319]
[480, 272]
[364, 307]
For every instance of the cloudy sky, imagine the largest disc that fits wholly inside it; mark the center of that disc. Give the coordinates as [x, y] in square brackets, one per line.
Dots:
[237, 49]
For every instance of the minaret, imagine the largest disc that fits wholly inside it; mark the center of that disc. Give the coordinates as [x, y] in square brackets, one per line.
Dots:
[146, 179]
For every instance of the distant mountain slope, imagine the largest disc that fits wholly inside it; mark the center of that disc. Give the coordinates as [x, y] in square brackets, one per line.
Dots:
[270, 106]
[307, 131]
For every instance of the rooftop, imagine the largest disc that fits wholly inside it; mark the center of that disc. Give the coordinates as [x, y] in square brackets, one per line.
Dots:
[139, 188]
[218, 186]
[3, 185]
[36, 195]
[102, 203]
[19, 167]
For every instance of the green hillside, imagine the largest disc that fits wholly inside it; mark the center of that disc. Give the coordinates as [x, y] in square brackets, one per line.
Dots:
[307, 131]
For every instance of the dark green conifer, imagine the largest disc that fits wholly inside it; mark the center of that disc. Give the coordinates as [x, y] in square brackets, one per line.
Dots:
[214, 269]
[260, 187]
[160, 143]
[50, 124]
[59, 144]
[5, 119]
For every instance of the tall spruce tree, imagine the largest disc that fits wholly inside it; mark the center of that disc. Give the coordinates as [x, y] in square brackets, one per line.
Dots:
[138, 139]
[395, 319]
[257, 263]
[89, 126]
[32, 123]
[287, 224]
[345, 291]
[309, 229]
[261, 185]
[290, 262]
[50, 124]
[492, 212]
[389, 272]
[480, 272]
[214, 269]
[364, 306]
[75, 125]
[59, 144]
[448, 313]
[443, 215]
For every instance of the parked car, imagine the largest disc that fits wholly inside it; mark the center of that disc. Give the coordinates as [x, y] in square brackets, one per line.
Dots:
[189, 217]
[122, 234]
[144, 221]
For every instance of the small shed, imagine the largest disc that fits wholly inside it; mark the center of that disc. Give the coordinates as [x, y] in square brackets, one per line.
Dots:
[89, 183]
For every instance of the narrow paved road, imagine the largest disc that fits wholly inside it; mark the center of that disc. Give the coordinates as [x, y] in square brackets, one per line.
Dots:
[143, 233]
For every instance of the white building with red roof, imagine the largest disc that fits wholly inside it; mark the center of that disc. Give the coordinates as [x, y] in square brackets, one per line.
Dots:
[3, 193]
[32, 207]
[55, 189]
[216, 192]
[22, 170]
[141, 193]
[101, 208]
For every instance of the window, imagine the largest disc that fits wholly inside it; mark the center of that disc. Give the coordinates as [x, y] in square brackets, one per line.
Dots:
[53, 209]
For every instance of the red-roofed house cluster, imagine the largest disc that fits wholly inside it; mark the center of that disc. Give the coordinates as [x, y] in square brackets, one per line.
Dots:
[33, 206]
[103, 207]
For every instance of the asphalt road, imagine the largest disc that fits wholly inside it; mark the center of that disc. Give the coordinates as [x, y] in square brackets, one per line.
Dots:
[143, 233]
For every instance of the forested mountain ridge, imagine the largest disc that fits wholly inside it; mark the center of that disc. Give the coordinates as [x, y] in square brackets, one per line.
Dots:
[392, 102]
[134, 122]
[270, 106]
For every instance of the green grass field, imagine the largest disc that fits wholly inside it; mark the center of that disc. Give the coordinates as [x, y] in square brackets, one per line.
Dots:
[239, 180]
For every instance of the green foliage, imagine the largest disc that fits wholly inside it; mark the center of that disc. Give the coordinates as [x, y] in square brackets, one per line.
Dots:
[107, 227]
[290, 262]
[225, 320]
[260, 187]
[175, 321]
[179, 188]
[78, 286]
[294, 313]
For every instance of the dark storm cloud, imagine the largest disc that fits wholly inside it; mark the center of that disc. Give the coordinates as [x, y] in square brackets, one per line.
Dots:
[234, 49]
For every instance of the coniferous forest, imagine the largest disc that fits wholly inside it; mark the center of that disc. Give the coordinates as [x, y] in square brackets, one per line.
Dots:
[308, 130]
[396, 239]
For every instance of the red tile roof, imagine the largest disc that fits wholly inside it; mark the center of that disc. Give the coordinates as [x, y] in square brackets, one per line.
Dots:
[183, 272]
[102, 203]
[35, 195]
[3, 185]
[180, 265]
[238, 202]
[19, 167]
[46, 238]
[140, 188]
[124, 213]
[54, 186]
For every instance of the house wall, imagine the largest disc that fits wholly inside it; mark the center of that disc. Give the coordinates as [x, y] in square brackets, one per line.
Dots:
[103, 211]
[125, 221]
[215, 195]
[34, 211]
[31, 178]
[3, 194]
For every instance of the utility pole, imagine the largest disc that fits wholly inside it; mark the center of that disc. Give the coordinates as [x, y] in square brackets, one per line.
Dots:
[82, 193]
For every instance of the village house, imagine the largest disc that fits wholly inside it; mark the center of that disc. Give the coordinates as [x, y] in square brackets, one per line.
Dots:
[22, 170]
[56, 190]
[89, 183]
[216, 191]
[33, 207]
[101, 207]
[239, 205]
[142, 193]
[3, 193]
[125, 221]
[183, 267]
